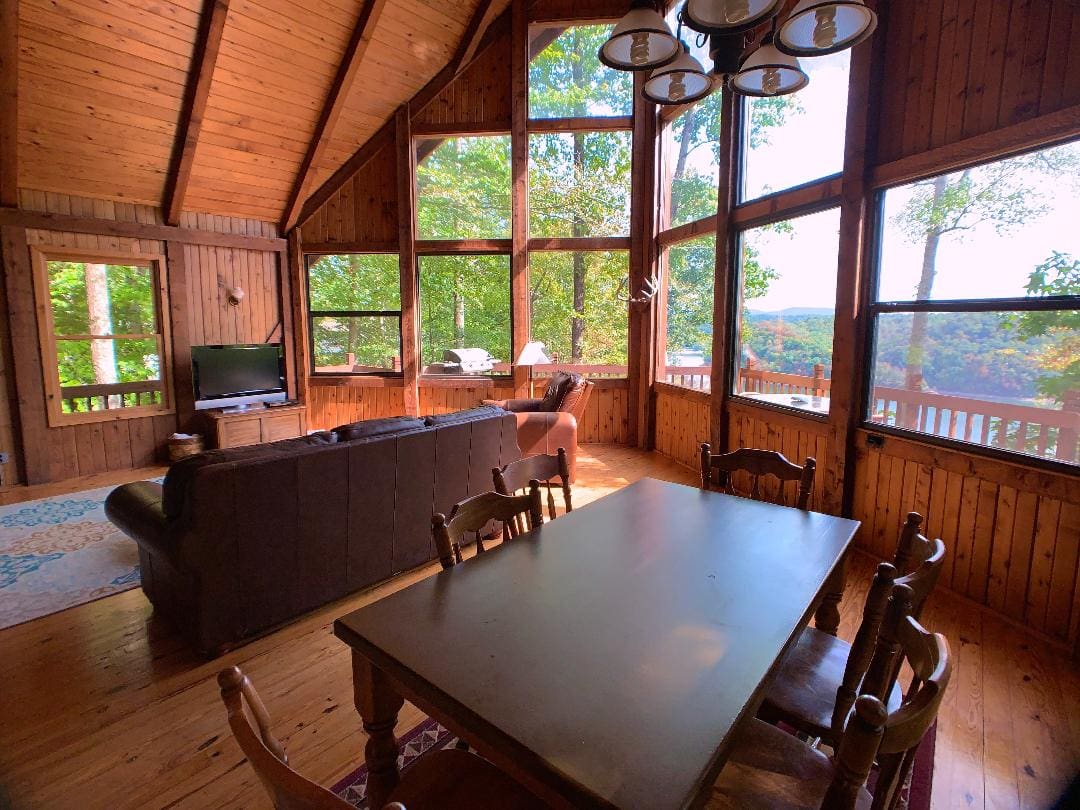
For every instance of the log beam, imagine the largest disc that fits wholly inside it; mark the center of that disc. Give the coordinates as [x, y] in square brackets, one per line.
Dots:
[332, 107]
[207, 47]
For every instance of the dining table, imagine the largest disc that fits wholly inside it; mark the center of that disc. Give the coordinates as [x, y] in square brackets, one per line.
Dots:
[605, 659]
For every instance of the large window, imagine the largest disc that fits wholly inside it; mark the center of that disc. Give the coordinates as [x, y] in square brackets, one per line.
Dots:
[579, 184]
[579, 309]
[977, 306]
[787, 300]
[354, 302]
[465, 314]
[463, 188]
[692, 161]
[103, 337]
[690, 275]
[795, 139]
[566, 80]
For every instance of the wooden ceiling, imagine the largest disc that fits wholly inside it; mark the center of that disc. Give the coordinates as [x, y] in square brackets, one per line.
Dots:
[102, 88]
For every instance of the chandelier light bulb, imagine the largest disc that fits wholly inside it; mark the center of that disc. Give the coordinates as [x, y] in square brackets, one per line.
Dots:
[770, 82]
[736, 11]
[825, 29]
[677, 89]
[639, 48]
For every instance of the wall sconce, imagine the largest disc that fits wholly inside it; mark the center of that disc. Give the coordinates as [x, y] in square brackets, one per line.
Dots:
[235, 295]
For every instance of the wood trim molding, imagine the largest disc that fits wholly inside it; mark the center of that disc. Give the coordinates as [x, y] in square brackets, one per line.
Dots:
[353, 381]
[177, 274]
[137, 230]
[520, 303]
[1046, 130]
[684, 233]
[335, 101]
[579, 243]
[603, 123]
[442, 131]
[679, 392]
[335, 248]
[9, 103]
[410, 316]
[446, 247]
[207, 47]
[793, 202]
[25, 355]
[296, 271]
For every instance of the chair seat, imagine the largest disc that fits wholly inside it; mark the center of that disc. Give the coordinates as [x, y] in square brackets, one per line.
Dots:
[453, 779]
[803, 693]
[773, 770]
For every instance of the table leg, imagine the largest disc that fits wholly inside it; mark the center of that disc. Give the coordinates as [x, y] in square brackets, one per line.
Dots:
[827, 616]
[378, 705]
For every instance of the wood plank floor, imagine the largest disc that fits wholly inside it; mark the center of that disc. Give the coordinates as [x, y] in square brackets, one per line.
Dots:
[103, 706]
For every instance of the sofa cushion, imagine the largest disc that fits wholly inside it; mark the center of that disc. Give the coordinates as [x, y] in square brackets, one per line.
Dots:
[376, 427]
[320, 439]
[470, 415]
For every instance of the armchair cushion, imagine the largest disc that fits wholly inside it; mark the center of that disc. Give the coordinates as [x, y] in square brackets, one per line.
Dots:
[560, 383]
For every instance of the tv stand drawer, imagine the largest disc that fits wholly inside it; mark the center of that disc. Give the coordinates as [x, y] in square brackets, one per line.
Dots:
[256, 426]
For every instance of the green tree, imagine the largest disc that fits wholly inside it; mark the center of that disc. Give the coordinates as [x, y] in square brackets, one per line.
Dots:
[355, 283]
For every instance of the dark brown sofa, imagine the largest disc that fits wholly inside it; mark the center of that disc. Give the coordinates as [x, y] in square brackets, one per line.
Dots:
[239, 541]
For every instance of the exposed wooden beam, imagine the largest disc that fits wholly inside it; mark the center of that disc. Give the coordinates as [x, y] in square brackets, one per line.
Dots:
[136, 230]
[691, 230]
[474, 34]
[606, 123]
[521, 315]
[332, 107]
[410, 315]
[445, 247]
[207, 46]
[579, 243]
[9, 106]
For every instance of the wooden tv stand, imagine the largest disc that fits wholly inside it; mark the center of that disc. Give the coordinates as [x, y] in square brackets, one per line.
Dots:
[256, 425]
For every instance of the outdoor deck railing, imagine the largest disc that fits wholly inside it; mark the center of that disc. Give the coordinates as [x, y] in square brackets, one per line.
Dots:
[110, 396]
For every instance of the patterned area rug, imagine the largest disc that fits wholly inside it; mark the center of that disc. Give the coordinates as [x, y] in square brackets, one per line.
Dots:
[59, 552]
[430, 736]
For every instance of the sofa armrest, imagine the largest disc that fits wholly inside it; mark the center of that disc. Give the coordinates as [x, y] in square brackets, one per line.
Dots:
[137, 510]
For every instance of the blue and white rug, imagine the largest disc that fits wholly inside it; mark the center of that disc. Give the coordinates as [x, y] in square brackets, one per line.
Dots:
[59, 552]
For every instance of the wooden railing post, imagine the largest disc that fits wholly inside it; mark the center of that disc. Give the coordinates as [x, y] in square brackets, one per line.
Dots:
[819, 380]
[1067, 436]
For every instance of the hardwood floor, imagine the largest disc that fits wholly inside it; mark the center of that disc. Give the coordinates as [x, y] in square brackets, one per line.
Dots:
[102, 706]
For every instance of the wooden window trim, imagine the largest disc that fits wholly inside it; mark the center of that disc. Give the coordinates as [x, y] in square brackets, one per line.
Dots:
[310, 258]
[47, 338]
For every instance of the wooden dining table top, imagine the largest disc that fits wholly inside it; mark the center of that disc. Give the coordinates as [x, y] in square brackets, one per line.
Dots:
[610, 654]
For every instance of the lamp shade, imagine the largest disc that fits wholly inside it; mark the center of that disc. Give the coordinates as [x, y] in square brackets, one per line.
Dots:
[709, 16]
[818, 28]
[681, 81]
[532, 354]
[767, 72]
[640, 41]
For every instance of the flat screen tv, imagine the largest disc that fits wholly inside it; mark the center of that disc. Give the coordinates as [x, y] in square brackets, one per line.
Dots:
[237, 376]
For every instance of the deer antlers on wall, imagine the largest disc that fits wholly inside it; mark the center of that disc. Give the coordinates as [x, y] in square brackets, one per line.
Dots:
[649, 289]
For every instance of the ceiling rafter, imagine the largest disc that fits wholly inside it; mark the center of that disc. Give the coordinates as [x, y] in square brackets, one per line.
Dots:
[335, 103]
[479, 23]
[204, 61]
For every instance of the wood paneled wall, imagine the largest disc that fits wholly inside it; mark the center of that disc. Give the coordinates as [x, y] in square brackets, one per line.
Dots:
[682, 423]
[480, 95]
[331, 405]
[208, 273]
[960, 68]
[1012, 533]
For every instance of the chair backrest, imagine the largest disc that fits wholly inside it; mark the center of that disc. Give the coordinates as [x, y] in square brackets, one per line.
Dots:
[757, 464]
[514, 478]
[475, 513]
[863, 645]
[891, 739]
[288, 789]
[919, 561]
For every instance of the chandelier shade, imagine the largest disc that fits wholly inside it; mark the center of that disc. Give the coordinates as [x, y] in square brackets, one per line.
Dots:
[640, 41]
[682, 81]
[822, 27]
[768, 72]
[727, 16]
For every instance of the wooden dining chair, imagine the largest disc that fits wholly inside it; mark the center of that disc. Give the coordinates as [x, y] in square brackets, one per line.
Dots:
[448, 780]
[549, 470]
[474, 514]
[770, 768]
[720, 471]
[819, 679]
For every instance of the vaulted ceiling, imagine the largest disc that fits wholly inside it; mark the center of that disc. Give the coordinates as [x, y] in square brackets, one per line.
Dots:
[102, 88]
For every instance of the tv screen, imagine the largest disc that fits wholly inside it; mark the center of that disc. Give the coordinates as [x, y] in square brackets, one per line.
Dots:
[224, 372]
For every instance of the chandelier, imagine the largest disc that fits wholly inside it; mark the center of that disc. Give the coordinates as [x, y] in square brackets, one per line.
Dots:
[642, 40]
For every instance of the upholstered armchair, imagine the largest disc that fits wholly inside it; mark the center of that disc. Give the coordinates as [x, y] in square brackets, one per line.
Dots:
[549, 422]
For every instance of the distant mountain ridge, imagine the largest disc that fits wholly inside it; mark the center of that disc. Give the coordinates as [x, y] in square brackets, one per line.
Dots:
[792, 312]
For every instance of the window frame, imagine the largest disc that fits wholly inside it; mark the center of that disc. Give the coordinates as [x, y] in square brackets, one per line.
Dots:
[48, 339]
[874, 308]
[734, 302]
[309, 257]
